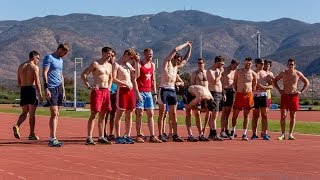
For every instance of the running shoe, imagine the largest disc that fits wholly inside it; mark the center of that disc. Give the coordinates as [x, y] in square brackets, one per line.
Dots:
[265, 137]
[103, 141]
[232, 135]
[154, 139]
[245, 138]
[217, 138]
[191, 139]
[128, 140]
[55, 143]
[254, 136]
[90, 141]
[223, 134]
[16, 131]
[162, 138]
[176, 138]
[140, 139]
[33, 137]
[110, 137]
[282, 137]
[203, 138]
[291, 137]
[120, 140]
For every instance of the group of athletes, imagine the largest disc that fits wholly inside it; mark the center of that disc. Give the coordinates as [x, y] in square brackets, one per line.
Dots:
[128, 85]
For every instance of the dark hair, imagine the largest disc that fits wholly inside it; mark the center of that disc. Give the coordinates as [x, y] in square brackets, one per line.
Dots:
[248, 59]
[268, 62]
[258, 61]
[211, 104]
[201, 59]
[235, 61]
[64, 46]
[106, 49]
[291, 60]
[218, 59]
[32, 54]
[177, 55]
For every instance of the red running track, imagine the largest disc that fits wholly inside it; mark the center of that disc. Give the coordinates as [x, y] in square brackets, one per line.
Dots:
[236, 159]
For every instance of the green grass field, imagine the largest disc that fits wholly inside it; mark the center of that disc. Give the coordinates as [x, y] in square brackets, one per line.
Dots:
[274, 125]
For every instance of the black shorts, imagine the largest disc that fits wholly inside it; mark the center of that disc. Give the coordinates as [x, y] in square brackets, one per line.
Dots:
[56, 96]
[28, 95]
[167, 96]
[187, 98]
[260, 102]
[230, 93]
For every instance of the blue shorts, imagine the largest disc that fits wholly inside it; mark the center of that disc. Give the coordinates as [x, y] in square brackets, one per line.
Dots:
[56, 96]
[146, 101]
[167, 96]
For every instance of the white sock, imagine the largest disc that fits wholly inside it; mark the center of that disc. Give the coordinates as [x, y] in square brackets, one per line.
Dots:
[51, 138]
[233, 129]
[100, 137]
[245, 131]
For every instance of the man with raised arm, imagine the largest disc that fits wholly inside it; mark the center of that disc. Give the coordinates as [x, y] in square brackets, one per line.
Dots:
[100, 102]
[198, 77]
[264, 83]
[290, 95]
[228, 96]
[124, 76]
[214, 74]
[245, 81]
[167, 93]
[146, 92]
[30, 93]
[54, 88]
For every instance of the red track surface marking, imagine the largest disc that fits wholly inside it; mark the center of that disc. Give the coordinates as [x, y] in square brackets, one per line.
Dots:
[236, 159]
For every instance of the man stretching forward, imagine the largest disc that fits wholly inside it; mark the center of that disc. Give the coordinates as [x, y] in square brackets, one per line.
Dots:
[167, 93]
[100, 94]
[290, 95]
[146, 93]
[29, 83]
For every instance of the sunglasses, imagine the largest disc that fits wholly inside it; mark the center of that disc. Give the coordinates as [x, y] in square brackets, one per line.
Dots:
[200, 63]
[290, 64]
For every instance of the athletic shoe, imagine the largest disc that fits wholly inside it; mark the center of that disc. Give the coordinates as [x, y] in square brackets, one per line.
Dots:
[110, 137]
[33, 137]
[176, 138]
[227, 133]
[140, 139]
[120, 140]
[223, 134]
[265, 137]
[165, 135]
[232, 135]
[217, 138]
[203, 138]
[244, 137]
[90, 141]
[16, 131]
[191, 139]
[268, 135]
[154, 139]
[103, 141]
[55, 143]
[291, 137]
[162, 138]
[282, 137]
[128, 140]
[254, 136]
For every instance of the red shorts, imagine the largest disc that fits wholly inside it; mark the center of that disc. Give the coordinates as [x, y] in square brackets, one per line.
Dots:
[126, 99]
[290, 102]
[243, 100]
[268, 103]
[100, 100]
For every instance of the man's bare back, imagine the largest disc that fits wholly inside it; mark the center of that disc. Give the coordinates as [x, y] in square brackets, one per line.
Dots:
[200, 91]
[27, 74]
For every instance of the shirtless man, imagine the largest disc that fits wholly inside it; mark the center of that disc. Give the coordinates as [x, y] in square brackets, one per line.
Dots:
[264, 83]
[167, 93]
[100, 101]
[53, 82]
[197, 98]
[267, 67]
[198, 77]
[245, 81]
[290, 95]
[146, 91]
[214, 74]
[29, 83]
[228, 96]
[124, 76]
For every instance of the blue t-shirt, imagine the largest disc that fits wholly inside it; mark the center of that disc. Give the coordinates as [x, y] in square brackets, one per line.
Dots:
[55, 66]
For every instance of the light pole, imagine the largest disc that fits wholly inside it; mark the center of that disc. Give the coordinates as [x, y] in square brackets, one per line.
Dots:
[258, 44]
[76, 61]
[200, 44]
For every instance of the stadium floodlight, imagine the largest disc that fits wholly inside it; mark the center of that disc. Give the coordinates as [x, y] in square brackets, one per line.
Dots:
[258, 44]
[76, 61]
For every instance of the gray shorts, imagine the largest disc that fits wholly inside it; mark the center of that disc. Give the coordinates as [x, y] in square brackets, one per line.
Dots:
[217, 96]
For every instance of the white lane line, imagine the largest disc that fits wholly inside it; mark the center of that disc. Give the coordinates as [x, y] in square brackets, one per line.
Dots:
[20, 177]
[10, 173]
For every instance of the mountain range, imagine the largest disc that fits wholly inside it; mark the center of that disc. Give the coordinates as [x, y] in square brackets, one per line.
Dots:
[281, 39]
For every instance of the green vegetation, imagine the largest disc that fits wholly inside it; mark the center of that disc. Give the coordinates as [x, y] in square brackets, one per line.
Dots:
[274, 125]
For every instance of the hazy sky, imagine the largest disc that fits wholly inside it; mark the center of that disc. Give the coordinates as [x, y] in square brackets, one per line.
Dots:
[252, 10]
